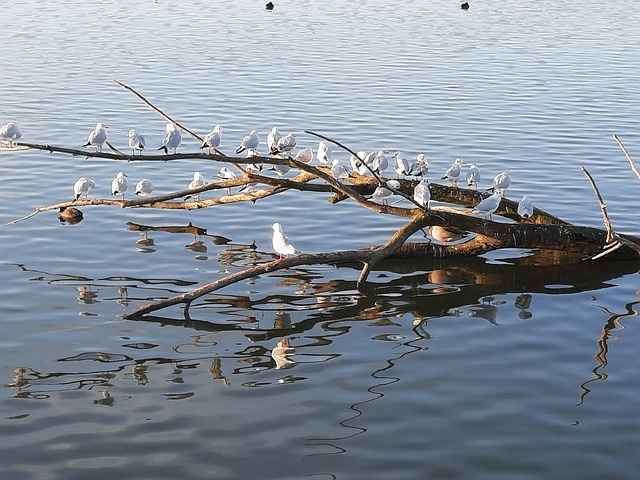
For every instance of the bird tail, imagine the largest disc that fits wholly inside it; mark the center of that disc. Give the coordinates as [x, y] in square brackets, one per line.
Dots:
[240, 150]
[164, 147]
[86, 144]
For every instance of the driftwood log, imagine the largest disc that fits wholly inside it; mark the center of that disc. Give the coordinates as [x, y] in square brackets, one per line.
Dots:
[541, 231]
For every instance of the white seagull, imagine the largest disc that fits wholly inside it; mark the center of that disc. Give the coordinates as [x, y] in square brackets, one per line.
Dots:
[144, 188]
[473, 176]
[453, 172]
[226, 174]
[380, 163]
[82, 187]
[402, 164]
[357, 162]
[338, 170]
[172, 138]
[136, 141]
[9, 133]
[305, 155]
[198, 181]
[381, 193]
[281, 243]
[212, 140]
[250, 144]
[501, 182]
[420, 167]
[525, 207]
[488, 206]
[324, 154]
[97, 137]
[119, 184]
[272, 138]
[421, 193]
[284, 144]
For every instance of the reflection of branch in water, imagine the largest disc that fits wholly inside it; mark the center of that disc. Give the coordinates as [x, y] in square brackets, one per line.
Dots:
[384, 381]
[614, 324]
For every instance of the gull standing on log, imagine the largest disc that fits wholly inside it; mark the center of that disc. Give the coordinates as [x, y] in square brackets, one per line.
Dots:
[525, 207]
[198, 181]
[9, 133]
[305, 155]
[473, 176]
[119, 184]
[453, 172]
[136, 141]
[488, 206]
[213, 139]
[501, 182]
[172, 138]
[144, 188]
[284, 144]
[324, 154]
[421, 193]
[82, 187]
[281, 243]
[272, 138]
[97, 137]
[250, 144]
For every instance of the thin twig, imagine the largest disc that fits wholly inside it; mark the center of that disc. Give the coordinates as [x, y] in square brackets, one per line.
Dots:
[158, 111]
[603, 207]
[626, 154]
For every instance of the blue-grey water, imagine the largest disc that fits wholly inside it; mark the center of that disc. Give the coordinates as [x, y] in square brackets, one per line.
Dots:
[492, 368]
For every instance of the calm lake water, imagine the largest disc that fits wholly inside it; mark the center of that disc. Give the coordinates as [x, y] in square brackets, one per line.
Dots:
[486, 368]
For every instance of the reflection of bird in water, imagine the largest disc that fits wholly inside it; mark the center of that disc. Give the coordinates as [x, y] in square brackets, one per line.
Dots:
[282, 320]
[485, 310]
[86, 295]
[444, 235]
[216, 371]
[281, 352]
[145, 240]
[523, 302]
[444, 277]
[71, 215]
[197, 246]
[106, 399]
[124, 294]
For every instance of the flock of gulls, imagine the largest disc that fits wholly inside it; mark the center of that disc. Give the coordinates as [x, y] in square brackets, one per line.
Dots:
[364, 163]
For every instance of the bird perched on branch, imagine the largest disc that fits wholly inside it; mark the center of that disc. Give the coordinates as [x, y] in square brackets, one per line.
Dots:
[444, 235]
[525, 207]
[213, 139]
[421, 193]
[281, 243]
[284, 144]
[453, 172]
[9, 133]
[144, 188]
[324, 153]
[198, 181]
[98, 137]
[119, 184]
[488, 206]
[172, 138]
[501, 182]
[272, 138]
[250, 144]
[473, 176]
[136, 141]
[305, 155]
[82, 187]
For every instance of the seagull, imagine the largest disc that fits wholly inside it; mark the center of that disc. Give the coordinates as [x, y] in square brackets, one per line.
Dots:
[82, 187]
[488, 206]
[250, 143]
[212, 139]
[357, 162]
[402, 164]
[453, 172]
[338, 170]
[421, 193]
[284, 145]
[305, 155]
[281, 243]
[420, 167]
[97, 137]
[443, 235]
[9, 133]
[272, 138]
[226, 174]
[501, 182]
[281, 170]
[473, 176]
[119, 184]
[136, 141]
[381, 193]
[380, 163]
[144, 188]
[198, 181]
[324, 154]
[172, 138]
[525, 207]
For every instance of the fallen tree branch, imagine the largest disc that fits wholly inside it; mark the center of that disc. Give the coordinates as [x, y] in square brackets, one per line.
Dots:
[634, 168]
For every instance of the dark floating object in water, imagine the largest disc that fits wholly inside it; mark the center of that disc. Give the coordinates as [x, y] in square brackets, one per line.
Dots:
[270, 5]
[465, 6]
[70, 215]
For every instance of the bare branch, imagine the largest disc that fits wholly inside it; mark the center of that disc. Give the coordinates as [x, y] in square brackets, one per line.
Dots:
[603, 207]
[626, 154]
